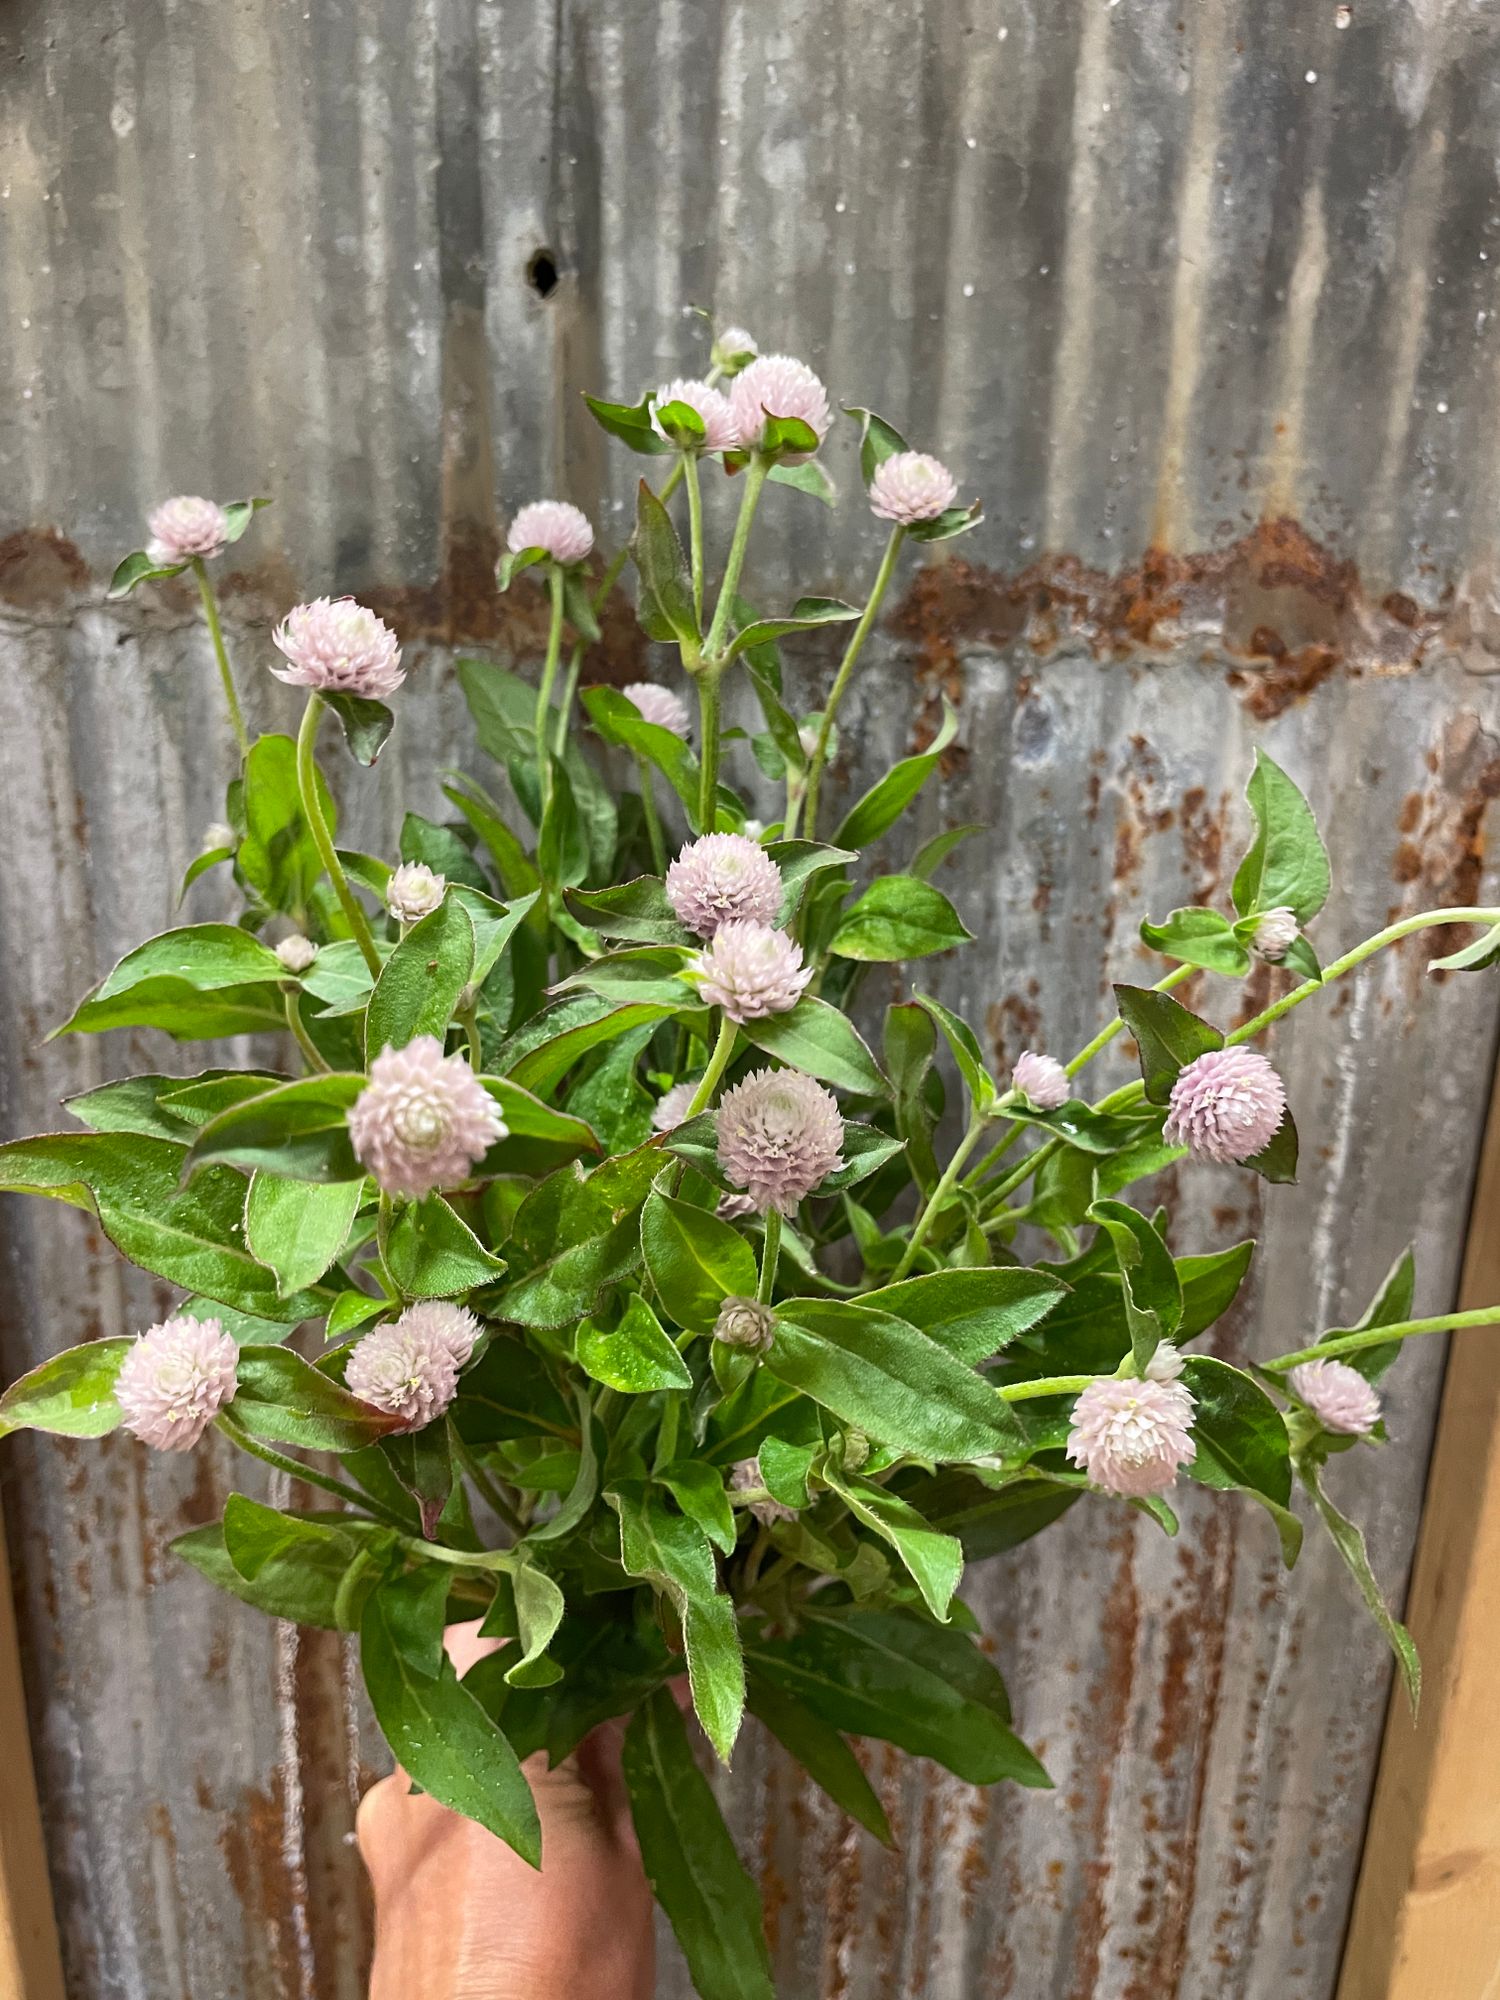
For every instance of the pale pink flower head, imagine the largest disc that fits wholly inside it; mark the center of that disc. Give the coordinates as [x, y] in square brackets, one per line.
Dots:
[911, 486]
[750, 970]
[1132, 1437]
[423, 1121]
[745, 1477]
[745, 1323]
[779, 1137]
[1276, 931]
[339, 647]
[778, 386]
[735, 1207]
[405, 1368]
[443, 1324]
[660, 705]
[296, 952]
[414, 891]
[1166, 1363]
[1226, 1104]
[175, 1380]
[1337, 1395]
[733, 350]
[1043, 1079]
[555, 526]
[673, 1108]
[722, 876]
[185, 527]
[720, 432]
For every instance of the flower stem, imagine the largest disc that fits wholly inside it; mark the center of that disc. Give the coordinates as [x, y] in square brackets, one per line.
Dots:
[295, 1469]
[1176, 977]
[556, 583]
[689, 463]
[939, 1196]
[569, 696]
[708, 737]
[994, 1197]
[221, 654]
[488, 1491]
[769, 1256]
[1046, 1385]
[1377, 1336]
[718, 1062]
[468, 1020]
[317, 826]
[756, 475]
[653, 818]
[841, 681]
[304, 1041]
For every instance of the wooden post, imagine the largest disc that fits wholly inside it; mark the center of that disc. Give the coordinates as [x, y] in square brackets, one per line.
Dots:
[1426, 1918]
[30, 1967]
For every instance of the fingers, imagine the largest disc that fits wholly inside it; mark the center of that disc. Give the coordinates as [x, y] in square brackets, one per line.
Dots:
[464, 1646]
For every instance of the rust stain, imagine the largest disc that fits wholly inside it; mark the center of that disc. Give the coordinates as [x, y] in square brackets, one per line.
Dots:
[1105, 1719]
[40, 569]
[250, 1841]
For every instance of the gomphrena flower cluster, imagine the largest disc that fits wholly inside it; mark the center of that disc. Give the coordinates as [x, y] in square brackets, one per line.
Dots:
[677, 1277]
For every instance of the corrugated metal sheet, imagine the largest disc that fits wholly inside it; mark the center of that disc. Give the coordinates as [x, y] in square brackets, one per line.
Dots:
[1201, 300]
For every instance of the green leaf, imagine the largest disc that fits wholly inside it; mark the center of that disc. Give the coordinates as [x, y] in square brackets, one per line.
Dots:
[238, 515]
[822, 1753]
[367, 725]
[1199, 937]
[1167, 1035]
[1484, 951]
[351, 1310]
[1242, 1442]
[565, 1246]
[964, 1045]
[136, 568]
[539, 1054]
[1148, 1277]
[952, 521]
[666, 603]
[71, 1394]
[1392, 1303]
[1091, 1131]
[630, 423]
[620, 722]
[695, 1261]
[885, 802]
[321, 1577]
[445, 1740]
[512, 863]
[681, 423]
[807, 614]
[786, 1468]
[299, 1228]
[893, 1676]
[539, 1612]
[898, 917]
[282, 1399]
[637, 910]
[822, 1042]
[673, 1553]
[897, 1384]
[277, 857]
[689, 1858]
[1209, 1287]
[585, 1485]
[134, 1104]
[931, 855]
[782, 435]
[798, 861]
[985, 1521]
[809, 478]
[865, 1152]
[910, 1042]
[298, 1130]
[1287, 865]
[1350, 1543]
[698, 1490]
[935, 1561]
[201, 981]
[972, 1313]
[878, 440]
[634, 1357]
[1277, 1159]
[442, 850]
[433, 1254]
[419, 989]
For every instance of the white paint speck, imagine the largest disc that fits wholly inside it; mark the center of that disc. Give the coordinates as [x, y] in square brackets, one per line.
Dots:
[839, 207]
[968, 291]
[1312, 76]
[1442, 409]
[1342, 16]
[1002, 34]
[971, 144]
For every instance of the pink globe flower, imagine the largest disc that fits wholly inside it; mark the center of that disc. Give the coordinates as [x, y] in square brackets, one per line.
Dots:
[779, 1137]
[296, 952]
[186, 527]
[555, 526]
[778, 386]
[1166, 1364]
[911, 486]
[1132, 1437]
[745, 1477]
[1043, 1079]
[1337, 1395]
[1226, 1104]
[660, 705]
[674, 1107]
[722, 876]
[423, 1120]
[443, 1324]
[406, 1367]
[339, 647]
[720, 432]
[175, 1380]
[414, 891]
[735, 1207]
[733, 350]
[745, 1323]
[1276, 931]
[750, 970]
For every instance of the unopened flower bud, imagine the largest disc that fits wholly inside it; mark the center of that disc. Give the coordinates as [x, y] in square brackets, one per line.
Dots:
[1276, 931]
[745, 1477]
[296, 952]
[745, 1323]
[660, 705]
[733, 350]
[1337, 1395]
[1042, 1079]
[218, 835]
[414, 891]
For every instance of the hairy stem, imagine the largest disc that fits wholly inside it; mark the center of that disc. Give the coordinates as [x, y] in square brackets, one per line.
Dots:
[1378, 1336]
[488, 1491]
[841, 681]
[769, 1256]
[1047, 1385]
[309, 1475]
[556, 584]
[1176, 977]
[317, 826]
[708, 737]
[689, 464]
[221, 654]
[718, 1062]
[756, 474]
[310, 1050]
[939, 1196]
[652, 817]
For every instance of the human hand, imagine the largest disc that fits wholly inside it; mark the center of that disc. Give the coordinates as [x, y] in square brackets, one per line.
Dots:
[459, 1916]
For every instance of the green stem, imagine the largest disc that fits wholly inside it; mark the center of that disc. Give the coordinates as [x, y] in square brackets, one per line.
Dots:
[938, 1197]
[1377, 1336]
[718, 1062]
[384, 1216]
[468, 1020]
[317, 826]
[852, 652]
[569, 696]
[1047, 1385]
[221, 654]
[484, 1485]
[689, 463]
[756, 474]
[556, 584]
[1176, 977]
[769, 1256]
[708, 737]
[303, 1039]
[653, 818]
[994, 1196]
[295, 1469]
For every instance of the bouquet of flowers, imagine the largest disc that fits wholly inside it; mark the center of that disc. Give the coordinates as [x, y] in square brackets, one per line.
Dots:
[591, 1272]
